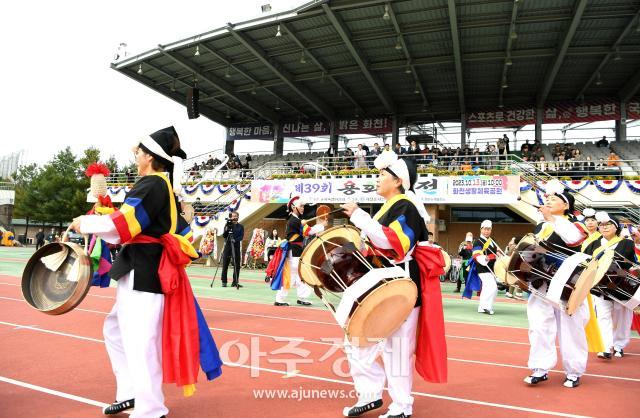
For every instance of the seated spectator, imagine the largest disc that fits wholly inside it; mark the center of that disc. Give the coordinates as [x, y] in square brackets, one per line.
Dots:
[613, 160]
[601, 164]
[466, 166]
[542, 164]
[588, 165]
[603, 143]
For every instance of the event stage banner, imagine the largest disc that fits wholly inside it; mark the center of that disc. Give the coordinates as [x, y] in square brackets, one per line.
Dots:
[430, 189]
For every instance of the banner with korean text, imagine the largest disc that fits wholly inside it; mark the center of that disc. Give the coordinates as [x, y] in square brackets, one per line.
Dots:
[430, 189]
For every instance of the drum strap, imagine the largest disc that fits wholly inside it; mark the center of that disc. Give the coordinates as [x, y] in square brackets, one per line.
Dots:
[316, 290]
[609, 244]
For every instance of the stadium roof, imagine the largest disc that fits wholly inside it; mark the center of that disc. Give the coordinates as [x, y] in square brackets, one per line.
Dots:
[422, 60]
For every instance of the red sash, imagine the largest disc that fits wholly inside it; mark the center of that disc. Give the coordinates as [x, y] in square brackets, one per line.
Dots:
[180, 343]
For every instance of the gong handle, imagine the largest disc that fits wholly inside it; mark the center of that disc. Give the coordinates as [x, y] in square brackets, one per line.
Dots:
[65, 238]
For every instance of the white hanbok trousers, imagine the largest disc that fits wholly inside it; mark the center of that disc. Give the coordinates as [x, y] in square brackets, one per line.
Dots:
[615, 323]
[133, 336]
[303, 290]
[489, 291]
[545, 322]
[398, 351]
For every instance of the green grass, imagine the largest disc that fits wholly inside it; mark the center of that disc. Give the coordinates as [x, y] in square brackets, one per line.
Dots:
[456, 309]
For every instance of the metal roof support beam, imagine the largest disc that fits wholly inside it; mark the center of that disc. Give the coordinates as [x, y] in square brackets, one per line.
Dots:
[630, 88]
[407, 54]
[302, 91]
[210, 97]
[362, 62]
[505, 66]
[297, 41]
[247, 76]
[204, 110]
[457, 56]
[635, 20]
[550, 77]
[225, 87]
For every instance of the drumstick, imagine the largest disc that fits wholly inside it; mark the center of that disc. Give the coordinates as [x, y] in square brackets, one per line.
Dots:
[326, 214]
[528, 203]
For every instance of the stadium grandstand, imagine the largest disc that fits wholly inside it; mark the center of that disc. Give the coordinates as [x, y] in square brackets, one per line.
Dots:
[533, 90]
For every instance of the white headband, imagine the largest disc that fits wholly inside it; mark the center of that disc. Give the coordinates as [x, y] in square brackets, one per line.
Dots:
[486, 224]
[155, 148]
[391, 161]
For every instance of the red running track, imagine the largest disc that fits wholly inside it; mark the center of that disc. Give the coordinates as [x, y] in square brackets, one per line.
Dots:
[487, 364]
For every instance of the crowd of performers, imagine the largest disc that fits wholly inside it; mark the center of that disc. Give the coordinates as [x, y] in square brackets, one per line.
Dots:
[156, 333]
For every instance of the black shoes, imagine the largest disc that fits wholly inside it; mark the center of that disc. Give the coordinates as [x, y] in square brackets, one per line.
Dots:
[606, 356]
[281, 304]
[304, 302]
[618, 353]
[117, 407]
[571, 383]
[356, 411]
[534, 380]
[224, 285]
[236, 285]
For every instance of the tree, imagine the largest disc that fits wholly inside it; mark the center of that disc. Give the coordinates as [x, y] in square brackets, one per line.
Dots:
[91, 155]
[26, 201]
[61, 189]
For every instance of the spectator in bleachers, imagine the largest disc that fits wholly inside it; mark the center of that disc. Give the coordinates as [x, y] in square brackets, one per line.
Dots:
[588, 165]
[330, 152]
[375, 151]
[413, 151]
[613, 160]
[399, 150]
[360, 158]
[502, 147]
[348, 159]
[505, 139]
[466, 166]
[387, 148]
[476, 159]
[524, 147]
[542, 164]
[601, 164]
[603, 143]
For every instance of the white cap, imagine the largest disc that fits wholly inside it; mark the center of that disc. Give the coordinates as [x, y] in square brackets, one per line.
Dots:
[486, 224]
[469, 237]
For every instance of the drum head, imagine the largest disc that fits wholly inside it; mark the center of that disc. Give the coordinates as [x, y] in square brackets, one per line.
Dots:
[582, 288]
[59, 291]
[603, 264]
[500, 268]
[382, 312]
[447, 261]
[315, 253]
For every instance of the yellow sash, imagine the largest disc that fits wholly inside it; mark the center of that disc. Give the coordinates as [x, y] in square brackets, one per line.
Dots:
[387, 205]
[596, 235]
[592, 329]
[185, 245]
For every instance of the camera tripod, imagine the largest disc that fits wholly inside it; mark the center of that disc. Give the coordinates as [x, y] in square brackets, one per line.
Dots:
[229, 241]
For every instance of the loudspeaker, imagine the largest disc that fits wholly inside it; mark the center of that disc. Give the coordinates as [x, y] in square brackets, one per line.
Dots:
[192, 103]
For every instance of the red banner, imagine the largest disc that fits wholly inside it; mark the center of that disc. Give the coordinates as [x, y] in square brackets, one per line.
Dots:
[501, 117]
[604, 109]
[633, 108]
[372, 126]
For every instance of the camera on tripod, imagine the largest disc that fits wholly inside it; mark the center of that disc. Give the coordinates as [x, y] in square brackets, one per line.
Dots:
[228, 226]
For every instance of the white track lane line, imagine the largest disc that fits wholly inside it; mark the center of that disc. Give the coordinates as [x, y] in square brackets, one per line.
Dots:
[55, 393]
[302, 320]
[263, 369]
[303, 340]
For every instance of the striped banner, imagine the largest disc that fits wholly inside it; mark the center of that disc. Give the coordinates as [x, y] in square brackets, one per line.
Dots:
[633, 185]
[607, 186]
[576, 185]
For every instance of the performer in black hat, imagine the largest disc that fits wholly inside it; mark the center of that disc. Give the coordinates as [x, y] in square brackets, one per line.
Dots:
[564, 234]
[614, 319]
[153, 289]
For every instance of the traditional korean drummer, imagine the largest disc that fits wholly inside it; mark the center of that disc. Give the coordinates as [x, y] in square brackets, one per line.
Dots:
[395, 232]
[563, 233]
[614, 319]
